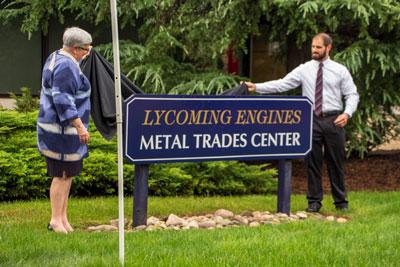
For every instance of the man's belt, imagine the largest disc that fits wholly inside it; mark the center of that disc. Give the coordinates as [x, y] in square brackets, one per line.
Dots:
[329, 113]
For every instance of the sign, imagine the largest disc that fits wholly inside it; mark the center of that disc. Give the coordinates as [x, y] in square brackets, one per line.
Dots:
[203, 128]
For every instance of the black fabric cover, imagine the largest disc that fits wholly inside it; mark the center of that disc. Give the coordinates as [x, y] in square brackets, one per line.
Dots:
[237, 90]
[101, 76]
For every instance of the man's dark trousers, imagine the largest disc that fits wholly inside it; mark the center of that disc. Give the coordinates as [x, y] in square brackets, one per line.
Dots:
[328, 142]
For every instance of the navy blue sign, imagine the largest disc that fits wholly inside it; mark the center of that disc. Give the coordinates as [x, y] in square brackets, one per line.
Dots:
[202, 128]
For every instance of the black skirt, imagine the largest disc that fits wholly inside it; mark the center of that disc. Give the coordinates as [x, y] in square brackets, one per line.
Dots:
[56, 168]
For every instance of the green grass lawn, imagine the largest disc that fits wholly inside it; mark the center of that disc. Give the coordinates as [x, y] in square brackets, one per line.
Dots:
[370, 238]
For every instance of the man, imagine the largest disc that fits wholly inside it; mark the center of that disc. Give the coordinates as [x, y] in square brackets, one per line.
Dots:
[325, 83]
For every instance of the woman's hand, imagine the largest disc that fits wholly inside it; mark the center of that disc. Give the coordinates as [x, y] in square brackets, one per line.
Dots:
[82, 131]
[83, 135]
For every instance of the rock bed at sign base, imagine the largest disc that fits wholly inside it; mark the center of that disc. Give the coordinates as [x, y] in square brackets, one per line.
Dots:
[220, 219]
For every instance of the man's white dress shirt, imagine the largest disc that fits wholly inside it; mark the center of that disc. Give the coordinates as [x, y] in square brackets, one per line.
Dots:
[337, 84]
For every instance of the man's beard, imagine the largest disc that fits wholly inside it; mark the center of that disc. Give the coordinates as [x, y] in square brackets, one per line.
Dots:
[317, 56]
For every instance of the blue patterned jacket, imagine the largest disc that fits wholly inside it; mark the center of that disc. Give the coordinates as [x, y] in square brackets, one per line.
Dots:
[65, 95]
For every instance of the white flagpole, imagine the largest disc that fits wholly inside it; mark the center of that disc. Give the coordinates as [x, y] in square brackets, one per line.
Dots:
[118, 110]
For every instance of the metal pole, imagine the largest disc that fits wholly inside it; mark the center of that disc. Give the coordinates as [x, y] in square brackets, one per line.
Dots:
[118, 111]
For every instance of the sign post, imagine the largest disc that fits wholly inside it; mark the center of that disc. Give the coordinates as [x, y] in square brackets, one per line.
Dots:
[205, 128]
[140, 195]
[284, 185]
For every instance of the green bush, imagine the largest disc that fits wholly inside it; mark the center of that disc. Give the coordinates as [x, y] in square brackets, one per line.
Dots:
[211, 178]
[23, 175]
[25, 102]
[23, 169]
[169, 180]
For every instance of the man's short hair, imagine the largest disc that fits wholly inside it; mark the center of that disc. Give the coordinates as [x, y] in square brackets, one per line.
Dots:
[75, 36]
[326, 38]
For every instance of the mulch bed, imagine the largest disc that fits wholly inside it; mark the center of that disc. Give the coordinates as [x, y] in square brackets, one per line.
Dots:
[373, 173]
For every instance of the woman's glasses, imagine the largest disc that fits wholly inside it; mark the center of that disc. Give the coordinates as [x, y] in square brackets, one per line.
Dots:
[83, 48]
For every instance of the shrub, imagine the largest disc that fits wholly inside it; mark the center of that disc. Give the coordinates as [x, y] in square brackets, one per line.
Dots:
[23, 170]
[25, 102]
[169, 180]
[23, 175]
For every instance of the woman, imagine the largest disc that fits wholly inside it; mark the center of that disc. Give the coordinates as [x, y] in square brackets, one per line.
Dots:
[63, 120]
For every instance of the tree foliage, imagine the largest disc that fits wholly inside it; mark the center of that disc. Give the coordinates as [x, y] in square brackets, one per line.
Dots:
[181, 43]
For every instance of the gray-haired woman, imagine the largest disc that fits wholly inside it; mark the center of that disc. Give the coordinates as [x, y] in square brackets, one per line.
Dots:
[63, 120]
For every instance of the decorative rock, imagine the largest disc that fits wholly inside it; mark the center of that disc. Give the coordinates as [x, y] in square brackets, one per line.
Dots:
[152, 220]
[202, 219]
[102, 228]
[282, 215]
[275, 221]
[115, 222]
[174, 220]
[193, 224]
[140, 227]
[241, 220]
[266, 222]
[207, 224]
[224, 213]
[225, 222]
[254, 224]
[330, 218]
[246, 213]
[267, 217]
[151, 228]
[218, 219]
[163, 225]
[251, 219]
[302, 215]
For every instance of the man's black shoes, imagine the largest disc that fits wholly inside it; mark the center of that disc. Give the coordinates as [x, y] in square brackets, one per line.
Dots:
[342, 208]
[313, 207]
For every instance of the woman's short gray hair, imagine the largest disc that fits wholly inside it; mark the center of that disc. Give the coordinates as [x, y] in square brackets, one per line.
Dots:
[76, 37]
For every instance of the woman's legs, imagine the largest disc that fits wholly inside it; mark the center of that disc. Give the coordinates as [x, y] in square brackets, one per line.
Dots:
[59, 192]
[65, 222]
[57, 199]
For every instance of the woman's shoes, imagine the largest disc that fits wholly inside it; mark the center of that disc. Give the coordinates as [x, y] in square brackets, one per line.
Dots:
[68, 227]
[53, 229]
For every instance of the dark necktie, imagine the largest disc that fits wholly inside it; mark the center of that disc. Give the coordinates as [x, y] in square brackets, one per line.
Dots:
[318, 91]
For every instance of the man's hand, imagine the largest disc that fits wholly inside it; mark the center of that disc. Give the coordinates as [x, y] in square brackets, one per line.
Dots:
[251, 86]
[341, 120]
